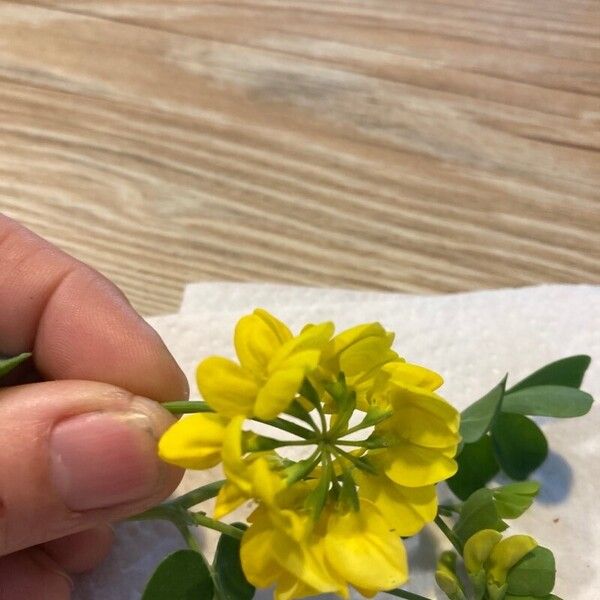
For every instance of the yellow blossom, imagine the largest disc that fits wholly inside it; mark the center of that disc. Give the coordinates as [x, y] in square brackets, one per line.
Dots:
[272, 366]
[333, 518]
[194, 442]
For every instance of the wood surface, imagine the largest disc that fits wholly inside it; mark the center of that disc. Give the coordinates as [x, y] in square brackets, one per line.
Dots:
[413, 145]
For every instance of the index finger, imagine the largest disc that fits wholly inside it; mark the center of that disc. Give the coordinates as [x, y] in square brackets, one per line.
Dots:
[76, 322]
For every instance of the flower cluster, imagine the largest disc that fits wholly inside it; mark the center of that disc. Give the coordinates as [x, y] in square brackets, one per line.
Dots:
[376, 439]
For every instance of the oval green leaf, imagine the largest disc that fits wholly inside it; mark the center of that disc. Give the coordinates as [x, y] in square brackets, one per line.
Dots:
[514, 499]
[549, 401]
[183, 575]
[476, 420]
[8, 364]
[476, 466]
[533, 575]
[566, 371]
[519, 445]
[478, 512]
[229, 576]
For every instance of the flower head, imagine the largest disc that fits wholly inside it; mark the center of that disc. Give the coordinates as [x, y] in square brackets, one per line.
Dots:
[375, 439]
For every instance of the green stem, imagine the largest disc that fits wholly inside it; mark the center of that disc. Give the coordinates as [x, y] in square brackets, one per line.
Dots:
[360, 444]
[184, 407]
[199, 495]
[405, 594]
[289, 427]
[187, 535]
[370, 423]
[448, 510]
[204, 521]
[452, 537]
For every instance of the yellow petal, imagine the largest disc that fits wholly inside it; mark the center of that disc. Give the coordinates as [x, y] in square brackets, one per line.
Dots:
[415, 466]
[229, 498]
[477, 549]
[226, 387]
[278, 393]
[257, 555]
[350, 336]
[401, 397]
[364, 356]
[405, 509]
[506, 554]
[257, 337]
[312, 338]
[233, 463]
[419, 426]
[194, 442]
[361, 549]
[403, 373]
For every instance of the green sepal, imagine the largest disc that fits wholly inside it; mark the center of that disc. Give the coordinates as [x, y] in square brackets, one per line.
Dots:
[229, 577]
[534, 574]
[477, 419]
[477, 465]
[182, 575]
[513, 499]
[496, 592]
[549, 401]
[478, 512]
[315, 501]
[8, 364]
[349, 494]
[345, 402]
[446, 577]
[479, 583]
[567, 371]
[520, 446]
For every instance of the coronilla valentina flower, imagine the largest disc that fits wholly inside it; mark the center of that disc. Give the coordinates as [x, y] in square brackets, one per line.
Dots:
[375, 438]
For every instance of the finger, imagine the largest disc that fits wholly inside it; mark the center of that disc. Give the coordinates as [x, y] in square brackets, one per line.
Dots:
[89, 453]
[32, 574]
[83, 551]
[78, 324]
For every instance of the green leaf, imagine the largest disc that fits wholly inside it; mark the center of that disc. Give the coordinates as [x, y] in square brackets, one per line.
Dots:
[183, 575]
[229, 576]
[478, 512]
[549, 401]
[8, 364]
[514, 499]
[533, 575]
[476, 420]
[519, 445]
[568, 372]
[476, 466]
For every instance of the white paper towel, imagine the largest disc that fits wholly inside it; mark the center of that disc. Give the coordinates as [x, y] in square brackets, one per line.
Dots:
[472, 340]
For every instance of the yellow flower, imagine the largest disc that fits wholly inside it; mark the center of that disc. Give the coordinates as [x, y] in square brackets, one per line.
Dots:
[194, 442]
[344, 548]
[272, 366]
[421, 435]
[489, 558]
[359, 353]
[407, 510]
[251, 477]
[335, 517]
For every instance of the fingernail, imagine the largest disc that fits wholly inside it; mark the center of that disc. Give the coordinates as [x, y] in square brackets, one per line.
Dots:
[103, 459]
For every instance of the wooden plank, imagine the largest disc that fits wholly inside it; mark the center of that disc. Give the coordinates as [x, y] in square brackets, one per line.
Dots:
[408, 145]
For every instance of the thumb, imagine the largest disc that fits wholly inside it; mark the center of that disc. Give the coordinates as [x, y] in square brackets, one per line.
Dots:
[74, 454]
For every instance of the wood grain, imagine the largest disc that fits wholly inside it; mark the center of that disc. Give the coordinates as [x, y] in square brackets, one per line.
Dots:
[413, 145]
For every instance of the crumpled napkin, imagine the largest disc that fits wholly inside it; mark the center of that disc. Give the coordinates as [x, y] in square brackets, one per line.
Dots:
[472, 339]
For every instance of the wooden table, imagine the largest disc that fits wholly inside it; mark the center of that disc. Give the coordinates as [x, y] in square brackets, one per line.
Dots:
[414, 145]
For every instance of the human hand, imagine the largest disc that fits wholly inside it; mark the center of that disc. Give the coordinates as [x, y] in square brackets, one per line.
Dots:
[77, 446]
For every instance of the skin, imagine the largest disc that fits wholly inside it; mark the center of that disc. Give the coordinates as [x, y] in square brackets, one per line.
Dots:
[92, 356]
